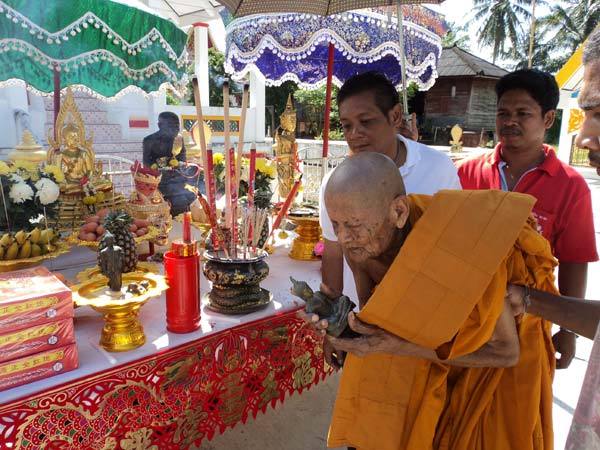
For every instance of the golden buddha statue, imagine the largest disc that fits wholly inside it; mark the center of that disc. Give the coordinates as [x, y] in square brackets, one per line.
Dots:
[85, 189]
[285, 149]
[73, 153]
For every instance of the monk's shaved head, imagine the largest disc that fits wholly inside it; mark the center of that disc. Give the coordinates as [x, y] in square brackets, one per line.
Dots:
[367, 177]
[366, 201]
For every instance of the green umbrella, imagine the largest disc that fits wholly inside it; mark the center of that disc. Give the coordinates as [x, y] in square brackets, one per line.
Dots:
[105, 46]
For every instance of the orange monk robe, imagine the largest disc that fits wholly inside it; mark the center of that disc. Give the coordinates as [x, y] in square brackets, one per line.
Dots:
[445, 291]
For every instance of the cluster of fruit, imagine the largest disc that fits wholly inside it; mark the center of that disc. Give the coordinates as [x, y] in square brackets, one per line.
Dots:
[23, 244]
[93, 228]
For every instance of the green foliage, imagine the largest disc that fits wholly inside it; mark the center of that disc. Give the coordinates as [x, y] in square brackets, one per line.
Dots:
[312, 103]
[457, 35]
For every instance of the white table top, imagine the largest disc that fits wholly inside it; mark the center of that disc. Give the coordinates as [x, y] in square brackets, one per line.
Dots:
[88, 323]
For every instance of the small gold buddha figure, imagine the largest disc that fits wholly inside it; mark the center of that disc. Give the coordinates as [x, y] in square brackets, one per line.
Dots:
[285, 149]
[73, 153]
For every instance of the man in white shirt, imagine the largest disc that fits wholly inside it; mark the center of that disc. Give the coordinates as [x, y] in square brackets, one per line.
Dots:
[371, 115]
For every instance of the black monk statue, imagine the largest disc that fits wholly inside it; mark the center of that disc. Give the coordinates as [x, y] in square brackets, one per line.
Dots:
[164, 150]
[110, 260]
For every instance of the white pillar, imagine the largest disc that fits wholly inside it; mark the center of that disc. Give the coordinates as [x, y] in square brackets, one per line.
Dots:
[201, 60]
[257, 101]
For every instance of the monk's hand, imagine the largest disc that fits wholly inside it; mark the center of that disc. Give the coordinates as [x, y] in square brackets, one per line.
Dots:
[565, 343]
[313, 321]
[372, 340]
[335, 358]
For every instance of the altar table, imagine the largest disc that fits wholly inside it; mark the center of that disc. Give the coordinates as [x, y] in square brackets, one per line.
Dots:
[177, 389]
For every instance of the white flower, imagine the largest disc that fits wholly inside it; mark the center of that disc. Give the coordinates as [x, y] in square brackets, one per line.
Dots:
[20, 192]
[16, 178]
[47, 191]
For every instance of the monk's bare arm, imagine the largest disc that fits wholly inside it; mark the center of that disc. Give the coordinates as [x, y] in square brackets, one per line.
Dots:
[332, 269]
[502, 350]
[364, 283]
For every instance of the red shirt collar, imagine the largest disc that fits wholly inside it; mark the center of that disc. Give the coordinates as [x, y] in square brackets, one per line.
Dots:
[550, 165]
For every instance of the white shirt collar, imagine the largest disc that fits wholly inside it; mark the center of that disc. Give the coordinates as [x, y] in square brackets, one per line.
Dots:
[413, 156]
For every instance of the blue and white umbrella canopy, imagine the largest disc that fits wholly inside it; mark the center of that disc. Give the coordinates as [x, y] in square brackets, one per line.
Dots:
[291, 46]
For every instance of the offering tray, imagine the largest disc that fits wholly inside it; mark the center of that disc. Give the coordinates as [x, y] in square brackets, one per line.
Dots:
[122, 330]
[17, 264]
[151, 235]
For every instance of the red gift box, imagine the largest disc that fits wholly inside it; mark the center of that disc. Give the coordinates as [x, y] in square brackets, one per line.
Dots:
[31, 297]
[38, 366]
[38, 338]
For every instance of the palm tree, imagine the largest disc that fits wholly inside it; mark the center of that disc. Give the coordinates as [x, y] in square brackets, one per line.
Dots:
[456, 35]
[500, 24]
[570, 23]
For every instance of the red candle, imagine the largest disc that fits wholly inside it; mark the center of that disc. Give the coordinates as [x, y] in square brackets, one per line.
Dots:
[187, 226]
[286, 205]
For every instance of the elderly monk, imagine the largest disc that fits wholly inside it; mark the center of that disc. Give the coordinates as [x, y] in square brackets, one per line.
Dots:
[442, 362]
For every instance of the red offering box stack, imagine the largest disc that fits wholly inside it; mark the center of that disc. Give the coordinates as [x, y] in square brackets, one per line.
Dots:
[37, 338]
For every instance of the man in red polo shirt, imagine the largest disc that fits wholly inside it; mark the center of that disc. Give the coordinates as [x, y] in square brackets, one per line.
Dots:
[521, 162]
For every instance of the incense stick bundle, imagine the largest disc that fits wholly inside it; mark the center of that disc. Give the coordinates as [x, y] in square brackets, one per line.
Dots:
[242, 126]
[228, 162]
[200, 122]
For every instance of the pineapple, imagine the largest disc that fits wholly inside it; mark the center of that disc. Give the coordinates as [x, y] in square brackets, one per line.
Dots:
[118, 222]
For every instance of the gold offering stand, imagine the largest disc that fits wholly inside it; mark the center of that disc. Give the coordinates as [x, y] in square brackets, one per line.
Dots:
[309, 234]
[122, 330]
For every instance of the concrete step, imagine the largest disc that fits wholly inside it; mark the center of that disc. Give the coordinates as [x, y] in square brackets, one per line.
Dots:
[90, 118]
[102, 132]
[84, 104]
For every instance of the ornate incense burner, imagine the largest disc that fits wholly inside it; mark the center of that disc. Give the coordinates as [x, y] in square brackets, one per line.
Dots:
[309, 233]
[285, 149]
[236, 282]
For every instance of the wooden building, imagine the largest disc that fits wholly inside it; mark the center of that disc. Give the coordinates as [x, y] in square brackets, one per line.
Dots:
[463, 94]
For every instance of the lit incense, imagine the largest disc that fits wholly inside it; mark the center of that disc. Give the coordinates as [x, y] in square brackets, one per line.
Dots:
[233, 202]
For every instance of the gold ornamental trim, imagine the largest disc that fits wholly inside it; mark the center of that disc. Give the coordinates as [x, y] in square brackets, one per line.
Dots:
[32, 363]
[28, 306]
[29, 334]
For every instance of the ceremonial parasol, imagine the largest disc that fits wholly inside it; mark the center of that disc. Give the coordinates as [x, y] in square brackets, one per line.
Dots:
[313, 49]
[103, 46]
